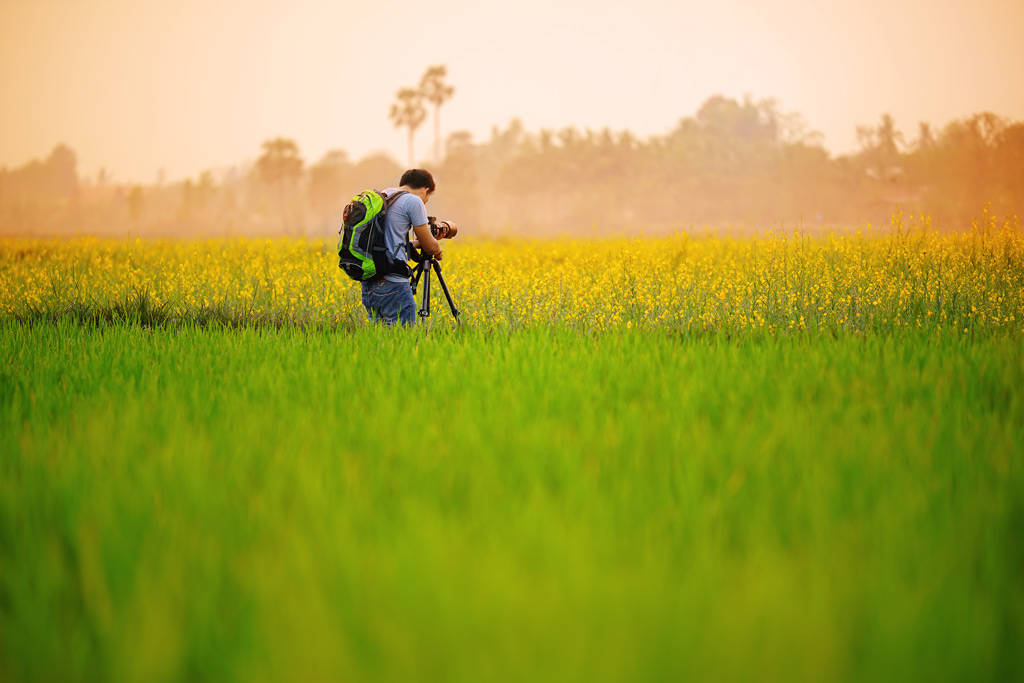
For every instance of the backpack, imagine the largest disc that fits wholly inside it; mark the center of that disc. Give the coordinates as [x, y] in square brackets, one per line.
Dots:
[362, 252]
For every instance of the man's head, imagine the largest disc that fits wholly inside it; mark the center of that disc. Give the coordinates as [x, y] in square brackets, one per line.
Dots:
[420, 183]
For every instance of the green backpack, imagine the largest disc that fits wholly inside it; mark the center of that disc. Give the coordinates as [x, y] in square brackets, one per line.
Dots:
[362, 252]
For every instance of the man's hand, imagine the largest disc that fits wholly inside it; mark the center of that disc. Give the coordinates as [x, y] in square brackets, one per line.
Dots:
[425, 239]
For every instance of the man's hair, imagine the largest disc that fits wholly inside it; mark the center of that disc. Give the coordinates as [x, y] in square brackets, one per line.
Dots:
[417, 178]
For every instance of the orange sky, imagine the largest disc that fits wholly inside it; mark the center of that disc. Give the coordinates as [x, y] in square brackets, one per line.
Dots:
[142, 85]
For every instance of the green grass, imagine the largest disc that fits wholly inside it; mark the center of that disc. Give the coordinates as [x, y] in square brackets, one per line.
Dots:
[180, 503]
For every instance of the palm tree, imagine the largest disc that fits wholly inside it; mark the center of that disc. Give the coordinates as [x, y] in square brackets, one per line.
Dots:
[437, 92]
[408, 112]
[888, 138]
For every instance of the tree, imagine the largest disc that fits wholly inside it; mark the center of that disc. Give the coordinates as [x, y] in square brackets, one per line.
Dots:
[327, 185]
[408, 112]
[880, 149]
[136, 200]
[461, 199]
[437, 92]
[281, 166]
[889, 137]
[188, 200]
[1009, 163]
[969, 154]
[206, 190]
[280, 161]
[925, 137]
[375, 170]
[62, 171]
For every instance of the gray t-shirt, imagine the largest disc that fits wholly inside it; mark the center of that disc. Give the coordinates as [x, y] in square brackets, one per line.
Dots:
[407, 211]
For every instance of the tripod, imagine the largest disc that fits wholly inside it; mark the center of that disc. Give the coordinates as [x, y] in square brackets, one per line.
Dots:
[426, 262]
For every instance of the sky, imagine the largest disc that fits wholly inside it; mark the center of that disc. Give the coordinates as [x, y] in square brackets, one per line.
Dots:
[150, 89]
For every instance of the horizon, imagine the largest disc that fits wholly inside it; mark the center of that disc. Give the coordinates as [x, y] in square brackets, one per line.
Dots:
[188, 87]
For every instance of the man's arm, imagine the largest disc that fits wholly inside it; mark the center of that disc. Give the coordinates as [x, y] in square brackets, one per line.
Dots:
[425, 240]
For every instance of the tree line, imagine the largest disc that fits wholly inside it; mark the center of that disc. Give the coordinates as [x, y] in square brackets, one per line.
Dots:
[744, 164]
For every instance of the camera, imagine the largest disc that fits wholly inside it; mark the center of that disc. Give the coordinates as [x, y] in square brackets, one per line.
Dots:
[442, 230]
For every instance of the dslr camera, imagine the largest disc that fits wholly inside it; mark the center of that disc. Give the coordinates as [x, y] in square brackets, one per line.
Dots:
[442, 230]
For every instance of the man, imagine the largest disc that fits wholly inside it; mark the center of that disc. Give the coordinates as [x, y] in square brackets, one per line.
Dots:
[389, 297]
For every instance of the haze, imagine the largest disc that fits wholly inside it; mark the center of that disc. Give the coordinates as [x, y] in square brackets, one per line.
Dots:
[153, 88]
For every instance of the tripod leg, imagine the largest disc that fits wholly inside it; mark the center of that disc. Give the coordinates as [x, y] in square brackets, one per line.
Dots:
[425, 310]
[444, 287]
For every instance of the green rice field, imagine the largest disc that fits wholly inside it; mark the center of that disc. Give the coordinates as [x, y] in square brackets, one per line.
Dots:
[185, 502]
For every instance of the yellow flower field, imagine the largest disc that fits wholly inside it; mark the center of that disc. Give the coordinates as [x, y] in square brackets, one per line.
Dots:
[903, 276]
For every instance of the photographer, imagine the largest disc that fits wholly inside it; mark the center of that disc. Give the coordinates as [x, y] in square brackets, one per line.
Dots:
[389, 297]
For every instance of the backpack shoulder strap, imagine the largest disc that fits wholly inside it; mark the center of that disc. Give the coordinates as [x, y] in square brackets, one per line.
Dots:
[389, 199]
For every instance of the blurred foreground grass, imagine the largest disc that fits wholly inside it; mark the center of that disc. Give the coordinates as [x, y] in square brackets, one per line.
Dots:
[180, 503]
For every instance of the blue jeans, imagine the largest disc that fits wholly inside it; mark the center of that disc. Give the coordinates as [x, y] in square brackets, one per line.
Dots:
[389, 301]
